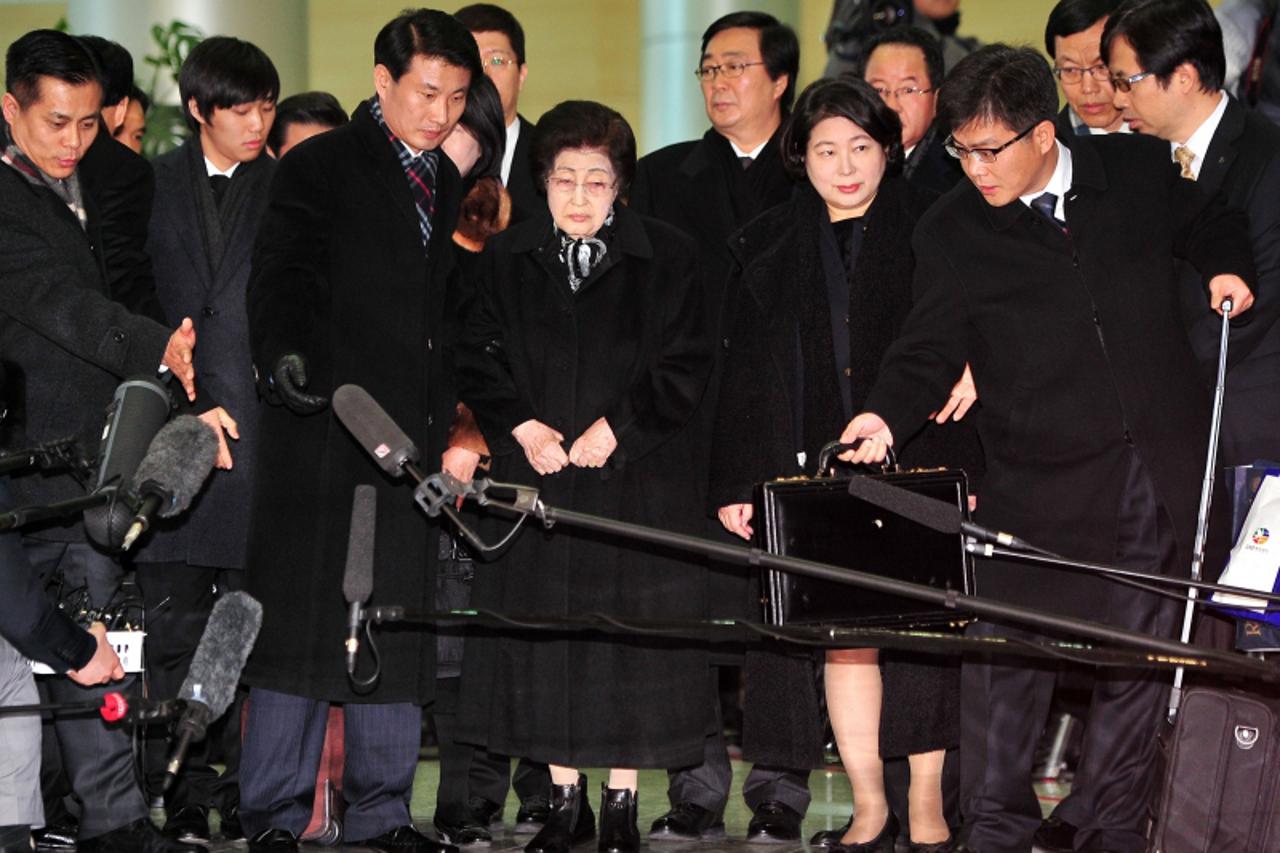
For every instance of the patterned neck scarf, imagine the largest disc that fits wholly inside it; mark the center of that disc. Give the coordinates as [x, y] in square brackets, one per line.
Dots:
[68, 190]
[581, 255]
[420, 171]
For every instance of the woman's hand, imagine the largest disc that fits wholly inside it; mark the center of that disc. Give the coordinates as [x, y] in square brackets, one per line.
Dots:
[541, 446]
[594, 447]
[220, 421]
[460, 463]
[736, 519]
[963, 396]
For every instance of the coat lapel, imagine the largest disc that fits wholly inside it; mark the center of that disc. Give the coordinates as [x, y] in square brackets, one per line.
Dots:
[186, 221]
[1222, 148]
[387, 169]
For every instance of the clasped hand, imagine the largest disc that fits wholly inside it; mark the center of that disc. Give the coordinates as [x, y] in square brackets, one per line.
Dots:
[542, 446]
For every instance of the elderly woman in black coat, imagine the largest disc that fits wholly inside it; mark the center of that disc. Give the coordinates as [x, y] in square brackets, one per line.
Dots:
[822, 284]
[585, 356]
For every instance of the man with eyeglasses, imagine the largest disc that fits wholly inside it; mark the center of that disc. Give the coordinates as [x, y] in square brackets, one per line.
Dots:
[1055, 276]
[1168, 58]
[708, 188]
[1073, 40]
[501, 41]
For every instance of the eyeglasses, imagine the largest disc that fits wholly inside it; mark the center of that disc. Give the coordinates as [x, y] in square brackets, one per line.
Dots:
[904, 92]
[595, 188]
[1124, 84]
[728, 70]
[982, 155]
[499, 60]
[1071, 75]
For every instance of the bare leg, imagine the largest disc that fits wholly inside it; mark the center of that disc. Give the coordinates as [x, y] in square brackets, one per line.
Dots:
[853, 700]
[619, 778]
[563, 775]
[924, 798]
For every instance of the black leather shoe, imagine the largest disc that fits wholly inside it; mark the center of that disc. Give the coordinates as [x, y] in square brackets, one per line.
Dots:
[229, 824]
[487, 814]
[468, 833]
[57, 836]
[141, 836]
[274, 841]
[830, 837]
[404, 839]
[774, 823]
[946, 846]
[882, 843]
[687, 822]
[189, 824]
[570, 820]
[619, 832]
[1055, 835]
[532, 816]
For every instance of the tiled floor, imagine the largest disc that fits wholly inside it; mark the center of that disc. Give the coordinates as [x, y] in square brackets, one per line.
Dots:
[831, 808]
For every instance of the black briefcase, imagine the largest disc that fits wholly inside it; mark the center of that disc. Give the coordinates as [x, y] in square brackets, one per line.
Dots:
[817, 519]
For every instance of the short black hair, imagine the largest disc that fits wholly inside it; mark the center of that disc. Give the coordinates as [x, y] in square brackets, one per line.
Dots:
[1075, 16]
[999, 83]
[425, 32]
[848, 97]
[305, 108]
[221, 72]
[583, 124]
[779, 47]
[143, 99]
[484, 120]
[909, 37]
[47, 53]
[488, 18]
[1166, 33]
[116, 65]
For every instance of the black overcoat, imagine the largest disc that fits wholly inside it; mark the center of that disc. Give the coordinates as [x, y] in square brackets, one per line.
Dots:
[339, 275]
[215, 530]
[522, 184]
[631, 345]
[1078, 352]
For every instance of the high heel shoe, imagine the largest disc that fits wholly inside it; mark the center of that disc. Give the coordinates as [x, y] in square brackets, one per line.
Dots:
[570, 821]
[882, 843]
[618, 830]
[945, 846]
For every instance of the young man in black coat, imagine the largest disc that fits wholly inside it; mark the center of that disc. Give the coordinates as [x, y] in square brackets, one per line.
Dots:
[709, 188]
[350, 285]
[210, 196]
[1053, 274]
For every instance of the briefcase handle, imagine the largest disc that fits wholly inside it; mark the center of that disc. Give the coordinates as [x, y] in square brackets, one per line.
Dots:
[832, 448]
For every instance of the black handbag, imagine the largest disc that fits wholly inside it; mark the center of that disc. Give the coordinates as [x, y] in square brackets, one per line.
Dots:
[815, 518]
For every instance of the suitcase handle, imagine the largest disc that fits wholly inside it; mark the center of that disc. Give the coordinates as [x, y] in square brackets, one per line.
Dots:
[832, 448]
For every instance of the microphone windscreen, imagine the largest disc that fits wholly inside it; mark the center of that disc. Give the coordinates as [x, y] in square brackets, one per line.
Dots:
[357, 577]
[224, 647]
[373, 429]
[934, 514]
[177, 463]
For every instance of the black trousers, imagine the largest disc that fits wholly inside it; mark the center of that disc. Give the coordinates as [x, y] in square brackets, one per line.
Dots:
[179, 598]
[1005, 702]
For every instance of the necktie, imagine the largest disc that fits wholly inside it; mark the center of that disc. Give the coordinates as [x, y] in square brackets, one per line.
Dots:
[219, 184]
[1046, 204]
[1185, 157]
[746, 162]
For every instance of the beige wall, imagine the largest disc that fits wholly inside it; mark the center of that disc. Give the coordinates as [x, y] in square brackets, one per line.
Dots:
[19, 18]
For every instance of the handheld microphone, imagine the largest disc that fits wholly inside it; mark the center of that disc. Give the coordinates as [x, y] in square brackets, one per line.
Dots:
[136, 412]
[375, 431]
[210, 685]
[169, 477]
[930, 512]
[357, 576]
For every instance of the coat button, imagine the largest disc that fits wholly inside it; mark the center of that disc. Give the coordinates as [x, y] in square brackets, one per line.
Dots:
[208, 311]
[725, 343]
[848, 371]
[118, 337]
[429, 345]
[1128, 438]
[431, 420]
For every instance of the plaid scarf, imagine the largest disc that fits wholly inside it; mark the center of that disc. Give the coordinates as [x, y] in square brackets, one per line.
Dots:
[68, 190]
[420, 172]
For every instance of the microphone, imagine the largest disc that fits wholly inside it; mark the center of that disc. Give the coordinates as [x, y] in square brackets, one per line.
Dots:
[136, 412]
[930, 512]
[211, 681]
[375, 431]
[169, 477]
[357, 576]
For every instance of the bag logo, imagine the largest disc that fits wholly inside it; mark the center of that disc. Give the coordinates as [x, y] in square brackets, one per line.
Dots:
[1260, 536]
[1246, 737]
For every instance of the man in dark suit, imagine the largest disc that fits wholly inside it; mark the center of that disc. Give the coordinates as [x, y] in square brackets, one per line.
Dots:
[904, 64]
[210, 196]
[1054, 275]
[350, 284]
[709, 188]
[1175, 48]
[501, 41]
[1073, 40]
[67, 345]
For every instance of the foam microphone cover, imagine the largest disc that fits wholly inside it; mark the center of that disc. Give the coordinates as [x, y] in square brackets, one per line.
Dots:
[177, 463]
[374, 429]
[357, 577]
[224, 647]
[136, 413]
[935, 514]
